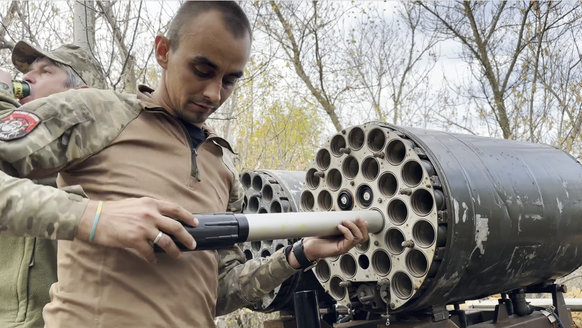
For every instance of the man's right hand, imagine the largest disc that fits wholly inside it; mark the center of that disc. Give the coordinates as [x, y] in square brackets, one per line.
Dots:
[135, 222]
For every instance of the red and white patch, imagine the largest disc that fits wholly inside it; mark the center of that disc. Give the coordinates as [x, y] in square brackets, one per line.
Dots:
[17, 124]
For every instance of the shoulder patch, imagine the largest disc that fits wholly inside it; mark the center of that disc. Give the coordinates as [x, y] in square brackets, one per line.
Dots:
[17, 124]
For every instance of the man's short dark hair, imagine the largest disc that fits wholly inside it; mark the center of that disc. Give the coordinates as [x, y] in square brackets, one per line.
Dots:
[233, 17]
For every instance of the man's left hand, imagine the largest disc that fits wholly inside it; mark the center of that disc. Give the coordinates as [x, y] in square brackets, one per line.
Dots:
[316, 248]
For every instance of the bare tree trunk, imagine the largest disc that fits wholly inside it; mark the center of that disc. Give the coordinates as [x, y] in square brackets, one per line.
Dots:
[231, 108]
[477, 40]
[84, 25]
[7, 21]
[295, 56]
[128, 69]
[22, 10]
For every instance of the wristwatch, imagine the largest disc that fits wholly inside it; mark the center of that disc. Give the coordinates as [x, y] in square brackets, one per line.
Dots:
[299, 252]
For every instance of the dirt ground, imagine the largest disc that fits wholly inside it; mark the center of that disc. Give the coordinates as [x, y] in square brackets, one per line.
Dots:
[244, 318]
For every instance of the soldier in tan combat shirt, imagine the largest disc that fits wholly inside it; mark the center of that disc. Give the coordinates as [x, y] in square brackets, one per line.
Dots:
[29, 265]
[143, 155]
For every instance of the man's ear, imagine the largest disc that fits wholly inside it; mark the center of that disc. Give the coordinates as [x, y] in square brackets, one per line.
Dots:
[81, 87]
[162, 50]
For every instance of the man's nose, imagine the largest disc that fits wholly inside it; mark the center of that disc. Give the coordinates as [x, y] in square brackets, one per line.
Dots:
[212, 92]
[29, 77]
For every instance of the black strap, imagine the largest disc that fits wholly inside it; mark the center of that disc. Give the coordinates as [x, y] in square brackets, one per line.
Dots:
[300, 255]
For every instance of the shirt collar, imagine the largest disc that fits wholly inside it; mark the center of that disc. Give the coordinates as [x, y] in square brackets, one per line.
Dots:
[144, 95]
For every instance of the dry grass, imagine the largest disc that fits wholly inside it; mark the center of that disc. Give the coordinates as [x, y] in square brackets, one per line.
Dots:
[575, 292]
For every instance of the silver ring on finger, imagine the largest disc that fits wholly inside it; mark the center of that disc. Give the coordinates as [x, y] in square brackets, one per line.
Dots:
[158, 237]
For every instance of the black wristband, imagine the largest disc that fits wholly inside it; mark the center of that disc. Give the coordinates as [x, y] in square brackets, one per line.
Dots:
[287, 251]
[299, 252]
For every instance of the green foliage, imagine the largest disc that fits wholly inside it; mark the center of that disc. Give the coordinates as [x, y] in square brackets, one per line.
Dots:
[284, 136]
[274, 130]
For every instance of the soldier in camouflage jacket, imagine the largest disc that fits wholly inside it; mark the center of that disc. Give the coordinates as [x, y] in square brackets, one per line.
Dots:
[29, 264]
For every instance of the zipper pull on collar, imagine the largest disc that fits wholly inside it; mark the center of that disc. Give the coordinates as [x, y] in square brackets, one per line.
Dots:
[195, 171]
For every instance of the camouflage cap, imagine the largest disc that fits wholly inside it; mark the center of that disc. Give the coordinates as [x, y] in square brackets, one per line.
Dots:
[24, 54]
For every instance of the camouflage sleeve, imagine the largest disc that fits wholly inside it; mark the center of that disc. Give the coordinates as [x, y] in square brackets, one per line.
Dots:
[7, 100]
[50, 213]
[69, 126]
[235, 203]
[236, 195]
[41, 138]
[241, 282]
